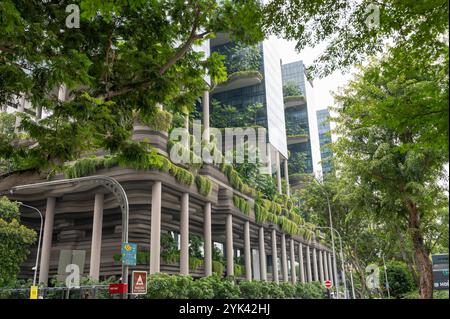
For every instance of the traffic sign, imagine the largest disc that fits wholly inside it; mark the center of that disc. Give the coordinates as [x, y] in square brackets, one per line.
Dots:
[129, 252]
[118, 289]
[139, 280]
[440, 271]
[34, 292]
[328, 284]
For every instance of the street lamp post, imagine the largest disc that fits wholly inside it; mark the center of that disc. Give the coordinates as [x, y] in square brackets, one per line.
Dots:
[332, 238]
[342, 257]
[351, 280]
[108, 182]
[386, 278]
[39, 240]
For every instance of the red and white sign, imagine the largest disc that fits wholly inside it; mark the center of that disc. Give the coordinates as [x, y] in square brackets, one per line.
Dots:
[328, 284]
[139, 280]
[118, 289]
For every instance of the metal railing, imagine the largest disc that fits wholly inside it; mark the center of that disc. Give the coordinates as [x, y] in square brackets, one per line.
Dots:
[82, 292]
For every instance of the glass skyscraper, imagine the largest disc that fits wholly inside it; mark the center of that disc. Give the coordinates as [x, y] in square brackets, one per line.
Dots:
[296, 112]
[323, 124]
[254, 77]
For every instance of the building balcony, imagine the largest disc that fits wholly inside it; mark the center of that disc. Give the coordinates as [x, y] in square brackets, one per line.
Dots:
[297, 139]
[239, 80]
[294, 101]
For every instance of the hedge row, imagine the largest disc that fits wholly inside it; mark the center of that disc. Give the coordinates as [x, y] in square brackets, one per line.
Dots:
[165, 286]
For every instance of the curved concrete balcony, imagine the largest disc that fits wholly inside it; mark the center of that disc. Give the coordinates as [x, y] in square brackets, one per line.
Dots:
[297, 139]
[294, 101]
[239, 80]
[159, 203]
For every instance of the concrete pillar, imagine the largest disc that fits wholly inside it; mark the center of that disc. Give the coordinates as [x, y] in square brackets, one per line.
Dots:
[284, 266]
[321, 274]
[207, 239]
[262, 255]
[325, 265]
[229, 245]
[315, 268]
[293, 273]
[278, 168]
[286, 177]
[308, 264]
[96, 243]
[269, 159]
[274, 257]
[301, 262]
[247, 251]
[155, 236]
[206, 115]
[184, 235]
[47, 240]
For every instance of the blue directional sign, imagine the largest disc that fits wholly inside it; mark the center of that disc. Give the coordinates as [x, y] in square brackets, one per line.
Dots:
[129, 252]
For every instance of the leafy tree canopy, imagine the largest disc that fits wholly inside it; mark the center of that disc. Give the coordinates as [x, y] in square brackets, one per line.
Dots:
[357, 28]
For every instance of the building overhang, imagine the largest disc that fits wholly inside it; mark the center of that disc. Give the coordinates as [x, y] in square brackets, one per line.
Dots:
[239, 80]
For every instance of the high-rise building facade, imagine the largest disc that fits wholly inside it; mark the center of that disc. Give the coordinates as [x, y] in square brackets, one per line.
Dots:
[323, 124]
[297, 118]
[254, 76]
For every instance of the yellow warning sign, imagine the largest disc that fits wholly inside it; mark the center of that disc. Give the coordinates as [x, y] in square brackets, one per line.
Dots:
[34, 292]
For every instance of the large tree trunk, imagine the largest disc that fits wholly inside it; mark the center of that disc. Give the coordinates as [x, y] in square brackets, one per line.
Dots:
[421, 253]
[407, 257]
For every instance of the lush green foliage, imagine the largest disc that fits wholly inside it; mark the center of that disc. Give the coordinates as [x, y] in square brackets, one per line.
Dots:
[242, 57]
[158, 120]
[399, 277]
[352, 29]
[164, 286]
[204, 185]
[223, 116]
[291, 89]
[112, 65]
[15, 241]
[242, 204]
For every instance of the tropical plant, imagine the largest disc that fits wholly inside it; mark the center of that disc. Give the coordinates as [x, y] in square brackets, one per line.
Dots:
[291, 89]
[15, 241]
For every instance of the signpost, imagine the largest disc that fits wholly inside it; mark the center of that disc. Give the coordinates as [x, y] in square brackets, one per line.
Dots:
[118, 289]
[440, 271]
[328, 284]
[129, 252]
[139, 281]
[34, 292]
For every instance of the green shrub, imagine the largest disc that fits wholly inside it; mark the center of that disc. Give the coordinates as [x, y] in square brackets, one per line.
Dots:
[251, 289]
[204, 185]
[194, 263]
[277, 291]
[201, 289]
[288, 289]
[165, 286]
[310, 290]
[399, 277]
[224, 288]
[158, 120]
[218, 267]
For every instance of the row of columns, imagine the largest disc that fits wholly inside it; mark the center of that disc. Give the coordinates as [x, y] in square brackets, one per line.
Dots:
[319, 268]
